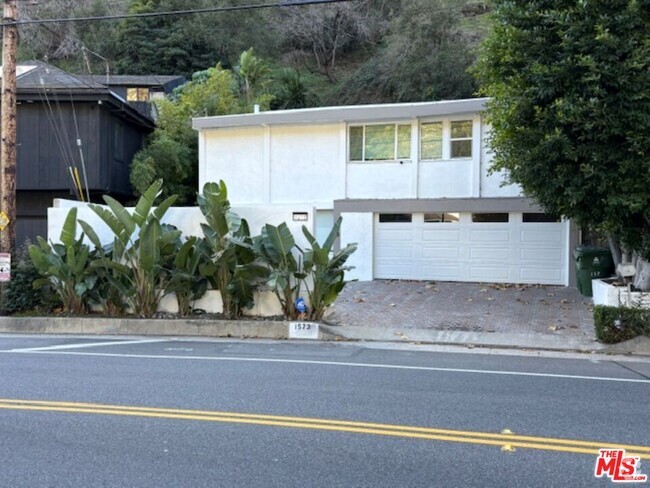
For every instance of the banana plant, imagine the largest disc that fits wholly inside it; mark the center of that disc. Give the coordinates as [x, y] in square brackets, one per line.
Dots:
[185, 279]
[326, 269]
[141, 250]
[276, 247]
[232, 267]
[65, 266]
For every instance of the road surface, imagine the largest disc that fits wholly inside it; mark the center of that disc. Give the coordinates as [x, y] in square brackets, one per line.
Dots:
[160, 412]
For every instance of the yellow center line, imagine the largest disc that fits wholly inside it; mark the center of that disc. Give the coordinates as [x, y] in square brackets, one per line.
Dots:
[403, 431]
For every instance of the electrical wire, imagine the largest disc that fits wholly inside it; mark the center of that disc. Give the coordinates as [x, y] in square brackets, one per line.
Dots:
[280, 4]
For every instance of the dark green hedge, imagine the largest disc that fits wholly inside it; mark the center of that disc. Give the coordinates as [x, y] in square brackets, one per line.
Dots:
[618, 324]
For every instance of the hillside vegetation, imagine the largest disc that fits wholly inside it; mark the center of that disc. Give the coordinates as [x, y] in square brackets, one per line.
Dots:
[362, 51]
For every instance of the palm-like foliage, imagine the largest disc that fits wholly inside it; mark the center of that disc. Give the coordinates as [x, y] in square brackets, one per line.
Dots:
[232, 267]
[64, 266]
[141, 250]
[276, 247]
[327, 272]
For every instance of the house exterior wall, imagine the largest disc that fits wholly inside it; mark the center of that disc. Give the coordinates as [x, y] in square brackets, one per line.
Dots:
[299, 163]
[305, 157]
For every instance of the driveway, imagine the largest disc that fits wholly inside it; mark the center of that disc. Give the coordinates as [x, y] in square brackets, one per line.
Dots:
[475, 307]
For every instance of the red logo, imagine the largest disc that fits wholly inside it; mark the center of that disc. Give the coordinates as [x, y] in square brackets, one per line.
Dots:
[618, 467]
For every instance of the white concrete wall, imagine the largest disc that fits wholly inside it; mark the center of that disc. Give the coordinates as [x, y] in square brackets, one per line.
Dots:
[446, 179]
[358, 227]
[308, 164]
[186, 219]
[305, 164]
[492, 184]
[237, 157]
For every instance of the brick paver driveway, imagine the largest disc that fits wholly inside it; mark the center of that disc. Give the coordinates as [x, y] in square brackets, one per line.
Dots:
[477, 307]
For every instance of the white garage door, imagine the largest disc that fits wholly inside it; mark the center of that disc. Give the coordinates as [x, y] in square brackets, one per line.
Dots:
[490, 247]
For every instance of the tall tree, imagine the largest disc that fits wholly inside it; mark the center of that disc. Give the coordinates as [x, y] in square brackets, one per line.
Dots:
[570, 88]
[172, 152]
[426, 56]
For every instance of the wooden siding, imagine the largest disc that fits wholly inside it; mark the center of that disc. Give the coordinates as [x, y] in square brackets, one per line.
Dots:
[43, 164]
[41, 135]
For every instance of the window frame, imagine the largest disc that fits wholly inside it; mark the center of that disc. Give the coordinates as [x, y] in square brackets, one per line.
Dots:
[396, 125]
[447, 140]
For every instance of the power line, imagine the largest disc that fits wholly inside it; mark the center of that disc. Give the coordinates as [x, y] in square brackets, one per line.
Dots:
[281, 3]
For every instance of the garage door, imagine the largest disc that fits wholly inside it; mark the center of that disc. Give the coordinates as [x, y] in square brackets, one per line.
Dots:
[492, 247]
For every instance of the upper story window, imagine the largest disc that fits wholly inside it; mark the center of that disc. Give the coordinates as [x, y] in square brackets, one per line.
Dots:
[380, 142]
[431, 140]
[446, 139]
[461, 139]
[137, 94]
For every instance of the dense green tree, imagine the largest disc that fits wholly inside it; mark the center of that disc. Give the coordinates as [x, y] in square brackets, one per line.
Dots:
[172, 152]
[570, 112]
[426, 57]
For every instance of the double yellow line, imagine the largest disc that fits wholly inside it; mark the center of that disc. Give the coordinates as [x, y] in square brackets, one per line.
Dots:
[508, 440]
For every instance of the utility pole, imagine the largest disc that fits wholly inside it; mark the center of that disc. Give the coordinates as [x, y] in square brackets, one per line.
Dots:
[8, 129]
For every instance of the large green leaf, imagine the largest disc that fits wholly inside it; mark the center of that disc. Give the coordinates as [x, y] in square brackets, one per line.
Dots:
[334, 233]
[149, 253]
[122, 214]
[90, 232]
[146, 201]
[280, 238]
[112, 222]
[161, 209]
[69, 230]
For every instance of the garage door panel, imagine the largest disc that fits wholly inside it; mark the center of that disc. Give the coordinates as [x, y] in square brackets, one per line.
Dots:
[396, 234]
[489, 253]
[441, 235]
[436, 252]
[489, 235]
[540, 236]
[541, 275]
[401, 270]
[488, 273]
[442, 272]
[545, 255]
[395, 251]
[513, 252]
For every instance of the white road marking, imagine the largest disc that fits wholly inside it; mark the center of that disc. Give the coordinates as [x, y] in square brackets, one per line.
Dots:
[82, 346]
[337, 363]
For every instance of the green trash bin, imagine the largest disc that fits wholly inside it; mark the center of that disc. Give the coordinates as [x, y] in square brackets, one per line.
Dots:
[591, 263]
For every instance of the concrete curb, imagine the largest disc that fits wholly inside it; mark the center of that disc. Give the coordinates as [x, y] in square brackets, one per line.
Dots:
[259, 329]
[279, 330]
[544, 342]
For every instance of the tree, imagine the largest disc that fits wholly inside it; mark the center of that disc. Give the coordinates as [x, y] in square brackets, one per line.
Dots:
[172, 151]
[570, 111]
[425, 57]
[325, 31]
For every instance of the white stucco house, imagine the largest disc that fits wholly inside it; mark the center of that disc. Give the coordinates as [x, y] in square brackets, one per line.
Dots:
[411, 182]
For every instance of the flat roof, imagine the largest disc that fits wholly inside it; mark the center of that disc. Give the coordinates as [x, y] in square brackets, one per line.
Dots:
[348, 113]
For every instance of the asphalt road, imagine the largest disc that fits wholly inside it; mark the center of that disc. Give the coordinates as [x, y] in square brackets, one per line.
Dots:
[147, 412]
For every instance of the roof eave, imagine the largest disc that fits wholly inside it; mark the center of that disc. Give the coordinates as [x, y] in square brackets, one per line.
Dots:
[352, 113]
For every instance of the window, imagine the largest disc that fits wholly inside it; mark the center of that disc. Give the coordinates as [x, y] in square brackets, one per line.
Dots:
[489, 217]
[539, 217]
[137, 94]
[441, 217]
[392, 218]
[461, 139]
[384, 142]
[446, 139]
[431, 140]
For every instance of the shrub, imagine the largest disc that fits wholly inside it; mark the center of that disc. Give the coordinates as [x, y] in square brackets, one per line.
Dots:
[19, 294]
[618, 324]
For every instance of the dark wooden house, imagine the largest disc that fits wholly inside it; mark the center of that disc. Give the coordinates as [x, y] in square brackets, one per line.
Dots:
[65, 121]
